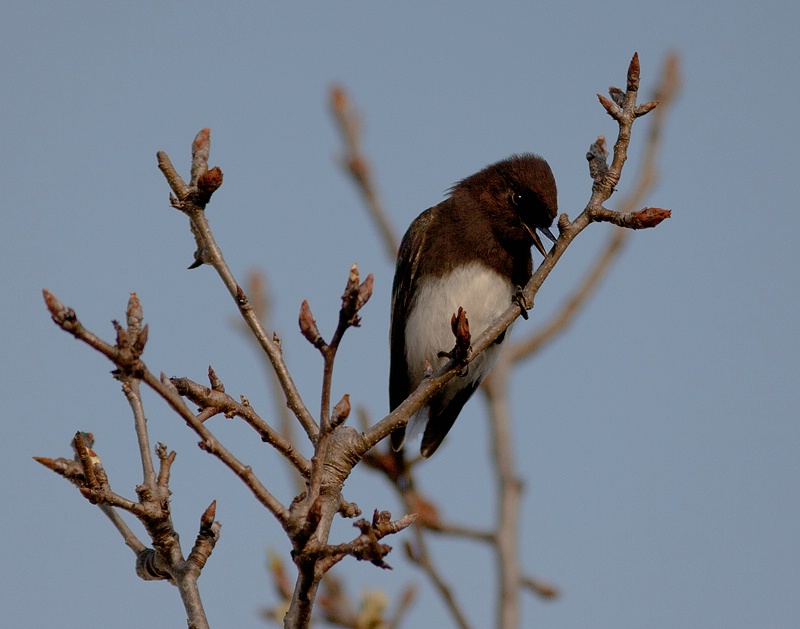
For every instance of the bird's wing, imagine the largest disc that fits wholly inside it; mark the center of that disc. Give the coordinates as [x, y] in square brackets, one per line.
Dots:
[405, 278]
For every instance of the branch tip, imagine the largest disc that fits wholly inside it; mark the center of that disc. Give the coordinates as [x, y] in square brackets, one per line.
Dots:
[633, 73]
[612, 108]
[46, 461]
[340, 103]
[308, 327]
[202, 140]
[61, 314]
[207, 519]
[214, 381]
[645, 108]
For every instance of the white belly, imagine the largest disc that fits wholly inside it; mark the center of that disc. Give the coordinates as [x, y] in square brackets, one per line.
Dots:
[483, 293]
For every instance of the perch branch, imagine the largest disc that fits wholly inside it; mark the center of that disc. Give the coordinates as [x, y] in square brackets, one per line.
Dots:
[668, 87]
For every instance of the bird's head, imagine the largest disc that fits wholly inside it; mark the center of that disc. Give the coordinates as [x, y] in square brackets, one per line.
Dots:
[519, 194]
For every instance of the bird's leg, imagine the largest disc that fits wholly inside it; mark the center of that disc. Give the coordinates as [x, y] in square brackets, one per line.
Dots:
[523, 303]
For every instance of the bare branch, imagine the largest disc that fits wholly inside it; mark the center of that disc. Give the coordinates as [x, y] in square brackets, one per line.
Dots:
[130, 387]
[206, 538]
[357, 166]
[261, 302]
[366, 547]
[509, 496]
[73, 472]
[418, 553]
[130, 366]
[191, 200]
[540, 588]
[216, 401]
[665, 94]
[165, 560]
[643, 219]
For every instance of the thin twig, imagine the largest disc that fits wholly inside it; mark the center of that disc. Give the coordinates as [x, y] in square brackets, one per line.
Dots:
[191, 201]
[419, 554]
[220, 402]
[665, 93]
[509, 494]
[132, 391]
[128, 536]
[68, 321]
[357, 166]
[540, 588]
[261, 301]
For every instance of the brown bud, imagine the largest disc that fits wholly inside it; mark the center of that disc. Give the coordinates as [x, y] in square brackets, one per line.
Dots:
[63, 316]
[207, 519]
[123, 342]
[208, 183]
[213, 379]
[611, 108]
[47, 462]
[596, 157]
[281, 579]
[341, 411]
[617, 95]
[426, 511]
[633, 73]
[140, 341]
[241, 298]
[645, 108]
[364, 292]
[134, 313]
[648, 217]
[202, 142]
[308, 327]
[359, 167]
[353, 278]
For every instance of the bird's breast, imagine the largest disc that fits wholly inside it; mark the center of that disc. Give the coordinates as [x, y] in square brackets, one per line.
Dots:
[482, 292]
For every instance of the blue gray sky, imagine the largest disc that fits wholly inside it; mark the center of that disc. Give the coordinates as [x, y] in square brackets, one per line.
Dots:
[658, 440]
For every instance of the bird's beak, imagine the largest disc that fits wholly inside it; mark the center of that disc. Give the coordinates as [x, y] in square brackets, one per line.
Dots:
[538, 241]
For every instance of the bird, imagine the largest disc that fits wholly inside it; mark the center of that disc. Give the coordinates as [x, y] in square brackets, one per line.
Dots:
[472, 250]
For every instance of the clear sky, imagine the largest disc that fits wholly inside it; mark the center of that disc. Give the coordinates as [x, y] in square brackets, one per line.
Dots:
[659, 440]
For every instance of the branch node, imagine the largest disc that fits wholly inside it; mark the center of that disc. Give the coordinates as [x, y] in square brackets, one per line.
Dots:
[596, 156]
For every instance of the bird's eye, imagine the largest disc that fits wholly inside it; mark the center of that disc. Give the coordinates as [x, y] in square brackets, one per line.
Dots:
[515, 198]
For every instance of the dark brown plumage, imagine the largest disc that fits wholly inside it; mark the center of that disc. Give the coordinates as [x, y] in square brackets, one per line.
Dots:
[472, 250]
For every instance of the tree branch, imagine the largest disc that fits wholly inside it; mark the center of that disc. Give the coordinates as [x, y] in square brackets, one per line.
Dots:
[191, 200]
[213, 401]
[357, 166]
[131, 365]
[666, 92]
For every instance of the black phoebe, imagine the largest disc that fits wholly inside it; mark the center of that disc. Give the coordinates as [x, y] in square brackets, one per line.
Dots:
[472, 250]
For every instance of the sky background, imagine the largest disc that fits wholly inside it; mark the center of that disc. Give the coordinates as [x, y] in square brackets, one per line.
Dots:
[659, 440]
